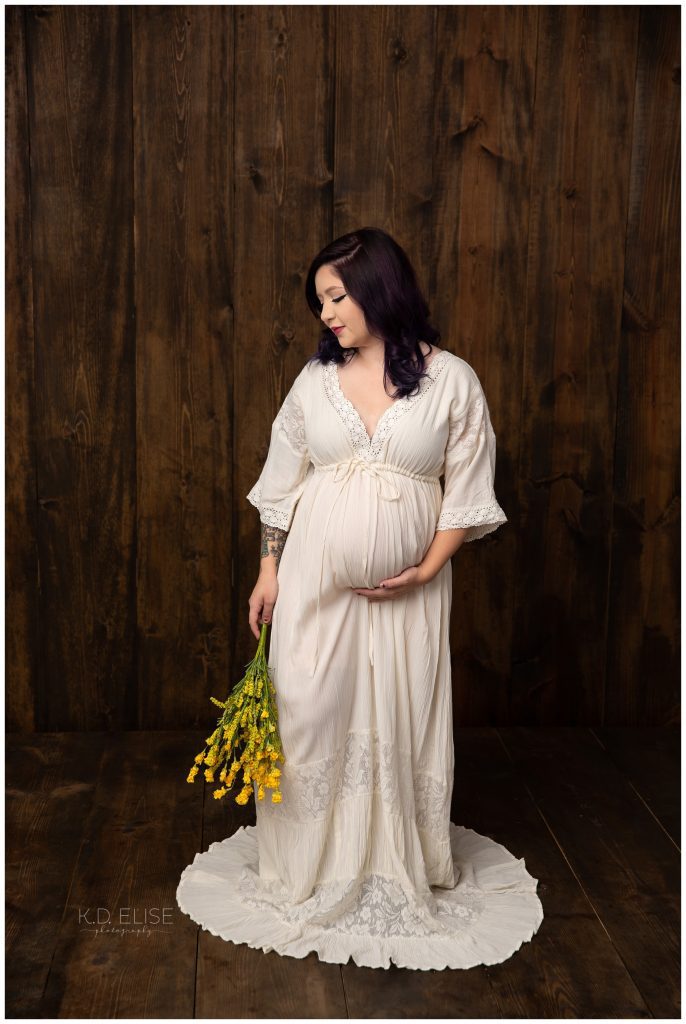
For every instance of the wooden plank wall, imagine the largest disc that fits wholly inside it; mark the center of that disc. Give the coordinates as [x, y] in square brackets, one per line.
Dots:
[170, 174]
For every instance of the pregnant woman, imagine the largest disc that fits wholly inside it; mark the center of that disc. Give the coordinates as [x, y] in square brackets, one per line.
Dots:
[360, 858]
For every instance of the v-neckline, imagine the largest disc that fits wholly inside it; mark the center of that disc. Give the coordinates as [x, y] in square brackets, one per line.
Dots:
[362, 442]
[356, 410]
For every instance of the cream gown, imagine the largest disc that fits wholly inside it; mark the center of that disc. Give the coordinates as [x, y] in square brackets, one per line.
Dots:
[360, 858]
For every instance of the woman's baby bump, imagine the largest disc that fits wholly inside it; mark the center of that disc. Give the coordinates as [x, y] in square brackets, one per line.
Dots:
[380, 523]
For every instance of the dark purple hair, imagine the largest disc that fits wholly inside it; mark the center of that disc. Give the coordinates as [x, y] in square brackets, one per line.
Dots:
[378, 275]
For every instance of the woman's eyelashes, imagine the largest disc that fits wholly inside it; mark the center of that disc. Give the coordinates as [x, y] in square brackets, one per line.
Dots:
[337, 299]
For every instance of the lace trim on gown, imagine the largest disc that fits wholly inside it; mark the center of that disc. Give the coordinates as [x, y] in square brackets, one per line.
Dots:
[464, 437]
[289, 419]
[364, 765]
[376, 905]
[376, 902]
[364, 447]
[269, 514]
[375, 917]
[482, 518]
[484, 919]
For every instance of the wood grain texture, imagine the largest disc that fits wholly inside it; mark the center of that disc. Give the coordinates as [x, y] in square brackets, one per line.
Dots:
[626, 865]
[79, 96]
[123, 948]
[483, 132]
[22, 580]
[183, 164]
[51, 781]
[649, 757]
[385, 59]
[556, 974]
[106, 821]
[172, 171]
[579, 202]
[643, 643]
[283, 143]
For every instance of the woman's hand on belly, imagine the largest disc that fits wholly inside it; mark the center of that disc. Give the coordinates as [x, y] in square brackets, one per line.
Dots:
[395, 586]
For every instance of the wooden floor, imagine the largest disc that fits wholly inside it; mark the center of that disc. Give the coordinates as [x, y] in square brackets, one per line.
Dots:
[97, 823]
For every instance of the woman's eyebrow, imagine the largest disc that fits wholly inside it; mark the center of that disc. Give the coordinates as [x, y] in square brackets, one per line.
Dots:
[331, 289]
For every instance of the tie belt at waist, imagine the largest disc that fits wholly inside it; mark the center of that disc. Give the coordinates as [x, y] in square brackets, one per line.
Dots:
[380, 472]
[377, 470]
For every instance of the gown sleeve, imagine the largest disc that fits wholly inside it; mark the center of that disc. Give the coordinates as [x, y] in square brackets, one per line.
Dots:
[469, 499]
[280, 484]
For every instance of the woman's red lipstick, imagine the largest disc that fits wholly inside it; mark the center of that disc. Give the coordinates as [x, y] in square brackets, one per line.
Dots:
[336, 330]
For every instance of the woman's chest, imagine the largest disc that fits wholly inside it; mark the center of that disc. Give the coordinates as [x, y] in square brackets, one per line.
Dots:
[366, 394]
[411, 432]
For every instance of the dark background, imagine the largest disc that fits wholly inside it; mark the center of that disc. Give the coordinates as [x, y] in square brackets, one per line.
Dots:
[170, 173]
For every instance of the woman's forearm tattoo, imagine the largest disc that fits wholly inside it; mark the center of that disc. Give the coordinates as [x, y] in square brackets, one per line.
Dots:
[273, 540]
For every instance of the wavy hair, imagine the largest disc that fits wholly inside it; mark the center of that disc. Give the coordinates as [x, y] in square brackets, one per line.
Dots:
[379, 277]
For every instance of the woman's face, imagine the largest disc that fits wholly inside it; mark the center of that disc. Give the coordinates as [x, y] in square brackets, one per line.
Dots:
[339, 310]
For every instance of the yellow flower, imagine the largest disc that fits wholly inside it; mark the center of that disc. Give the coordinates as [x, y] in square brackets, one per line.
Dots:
[246, 739]
[276, 797]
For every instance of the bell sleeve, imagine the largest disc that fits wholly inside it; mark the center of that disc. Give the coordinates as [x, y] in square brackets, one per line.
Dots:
[287, 467]
[469, 499]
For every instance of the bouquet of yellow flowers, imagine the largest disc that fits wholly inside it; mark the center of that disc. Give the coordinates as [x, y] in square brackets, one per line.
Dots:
[247, 734]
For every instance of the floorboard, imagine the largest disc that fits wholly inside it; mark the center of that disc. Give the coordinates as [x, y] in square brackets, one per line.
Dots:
[108, 821]
[624, 862]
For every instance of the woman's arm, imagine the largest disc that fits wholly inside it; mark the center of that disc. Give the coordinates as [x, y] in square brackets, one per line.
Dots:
[443, 546]
[265, 591]
[271, 547]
